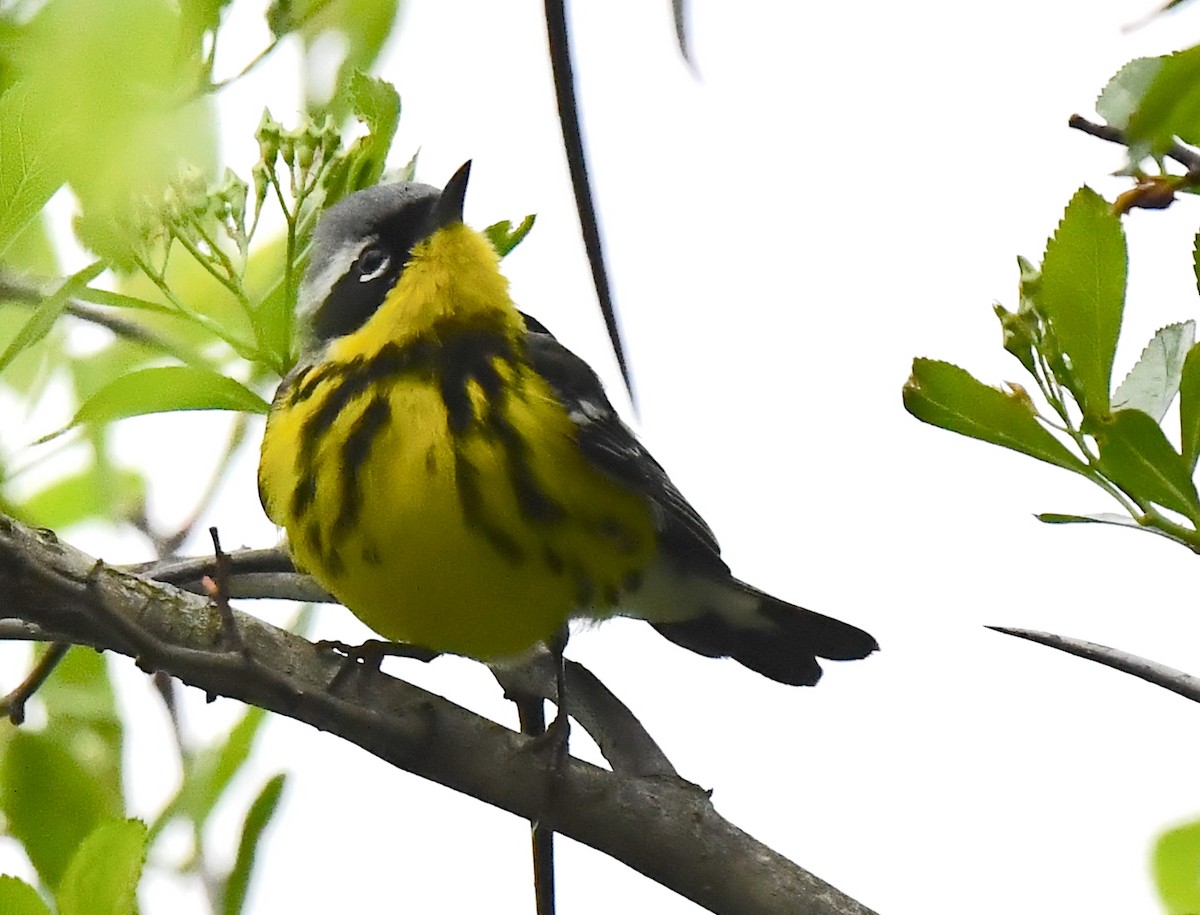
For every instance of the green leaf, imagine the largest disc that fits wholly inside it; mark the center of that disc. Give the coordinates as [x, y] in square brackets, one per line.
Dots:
[32, 370]
[81, 709]
[117, 85]
[1189, 408]
[273, 325]
[1136, 456]
[18, 898]
[1121, 97]
[1082, 295]
[119, 300]
[1176, 864]
[48, 312]
[1170, 106]
[944, 395]
[1153, 382]
[258, 817]
[31, 166]
[103, 875]
[51, 802]
[32, 250]
[1111, 518]
[168, 389]
[376, 104]
[82, 497]
[1196, 260]
[365, 25]
[200, 16]
[210, 772]
[504, 237]
[1097, 518]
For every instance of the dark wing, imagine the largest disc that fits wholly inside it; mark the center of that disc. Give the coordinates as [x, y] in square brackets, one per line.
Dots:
[611, 448]
[774, 638]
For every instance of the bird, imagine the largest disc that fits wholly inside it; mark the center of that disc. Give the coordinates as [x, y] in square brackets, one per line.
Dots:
[457, 478]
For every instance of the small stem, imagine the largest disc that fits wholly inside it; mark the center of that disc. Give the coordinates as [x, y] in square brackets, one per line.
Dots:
[219, 253]
[13, 705]
[1185, 156]
[206, 263]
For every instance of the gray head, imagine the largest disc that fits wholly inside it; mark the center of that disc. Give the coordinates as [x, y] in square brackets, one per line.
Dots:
[360, 247]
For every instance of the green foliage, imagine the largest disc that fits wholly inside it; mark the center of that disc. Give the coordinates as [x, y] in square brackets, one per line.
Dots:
[945, 395]
[364, 25]
[101, 878]
[30, 169]
[1081, 297]
[258, 817]
[1121, 97]
[193, 277]
[209, 772]
[504, 237]
[61, 792]
[1135, 454]
[168, 388]
[1170, 105]
[75, 759]
[1151, 384]
[114, 133]
[18, 898]
[1175, 872]
[1064, 334]
[35, 768]
[47, 313]
[377, 104]
[94, 492]
[103, 875]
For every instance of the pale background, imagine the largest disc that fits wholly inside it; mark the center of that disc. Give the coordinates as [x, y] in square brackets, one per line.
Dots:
[841, 188]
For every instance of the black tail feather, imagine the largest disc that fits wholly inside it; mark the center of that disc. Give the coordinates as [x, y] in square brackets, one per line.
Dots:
[784, 645]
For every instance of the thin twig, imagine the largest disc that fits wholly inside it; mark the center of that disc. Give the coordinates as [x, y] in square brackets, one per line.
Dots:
[1169, 678]
[568, 118]
[13, 705]
[26, 293]
[218, 590]
[1184, 155]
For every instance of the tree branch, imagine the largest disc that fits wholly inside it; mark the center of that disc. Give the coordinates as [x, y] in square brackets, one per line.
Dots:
[665, 828]
[1184, 155]
[1151, 671]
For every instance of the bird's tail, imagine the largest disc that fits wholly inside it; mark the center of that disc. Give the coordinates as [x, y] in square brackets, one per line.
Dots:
[770, 636]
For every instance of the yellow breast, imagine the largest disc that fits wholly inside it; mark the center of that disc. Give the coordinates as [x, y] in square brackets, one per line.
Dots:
[479, 541]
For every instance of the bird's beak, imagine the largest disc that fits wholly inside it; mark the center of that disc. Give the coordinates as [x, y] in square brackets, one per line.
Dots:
[449, 208]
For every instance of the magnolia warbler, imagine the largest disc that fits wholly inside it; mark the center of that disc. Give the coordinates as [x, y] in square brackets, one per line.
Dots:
[457, 477]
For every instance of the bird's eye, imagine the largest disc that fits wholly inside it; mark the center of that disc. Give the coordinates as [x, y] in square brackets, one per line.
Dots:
[372, 263]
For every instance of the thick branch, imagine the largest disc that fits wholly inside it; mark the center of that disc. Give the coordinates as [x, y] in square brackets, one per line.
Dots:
[664, 827]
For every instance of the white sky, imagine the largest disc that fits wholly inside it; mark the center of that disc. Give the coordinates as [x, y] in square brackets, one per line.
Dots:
[844, 187]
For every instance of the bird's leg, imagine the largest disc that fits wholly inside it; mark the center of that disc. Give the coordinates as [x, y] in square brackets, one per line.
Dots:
[556, 737]
[531, 712]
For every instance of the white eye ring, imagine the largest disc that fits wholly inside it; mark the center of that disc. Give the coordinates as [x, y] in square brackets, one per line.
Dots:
[369, 269]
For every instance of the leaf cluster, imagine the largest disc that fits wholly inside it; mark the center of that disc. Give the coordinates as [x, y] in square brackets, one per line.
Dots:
[1140, 441]
[88, 854]
[1064, 333]
[192, 282]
